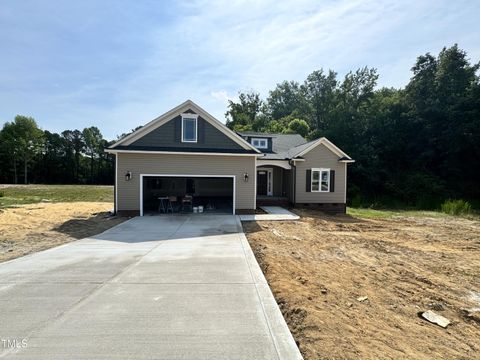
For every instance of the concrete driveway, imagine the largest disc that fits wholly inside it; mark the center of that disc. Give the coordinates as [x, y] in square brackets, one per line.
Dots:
[164, 287]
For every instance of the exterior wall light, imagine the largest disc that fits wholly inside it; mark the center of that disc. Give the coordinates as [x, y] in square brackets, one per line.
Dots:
[245, 177]
[128, 176]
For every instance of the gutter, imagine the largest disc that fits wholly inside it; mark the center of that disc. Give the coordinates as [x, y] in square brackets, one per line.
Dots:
[114, 151]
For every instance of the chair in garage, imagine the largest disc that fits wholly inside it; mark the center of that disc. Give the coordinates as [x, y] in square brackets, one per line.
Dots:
[187, 202]
[165, 204]
[173, 200]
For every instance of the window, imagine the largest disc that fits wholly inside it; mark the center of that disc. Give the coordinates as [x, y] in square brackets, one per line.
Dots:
[321, 180]
[189, 128]
[260, 143]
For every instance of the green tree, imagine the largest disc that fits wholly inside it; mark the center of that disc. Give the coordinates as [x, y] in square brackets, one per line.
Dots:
[25, 140]
[9, 149]
[244, 112]
[74, 146]
[298, 126]
[288, 98]
[93, 146]
[321, 95]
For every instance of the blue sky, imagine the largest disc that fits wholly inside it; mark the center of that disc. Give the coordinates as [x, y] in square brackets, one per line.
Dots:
[119, 64]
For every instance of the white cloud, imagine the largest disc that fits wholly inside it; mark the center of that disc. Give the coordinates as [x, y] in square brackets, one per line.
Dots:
[209, 50]
[223, 96]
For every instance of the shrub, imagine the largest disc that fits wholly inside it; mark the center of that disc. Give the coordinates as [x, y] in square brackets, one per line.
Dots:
[357, 201]
[456, 207]
[2, 193]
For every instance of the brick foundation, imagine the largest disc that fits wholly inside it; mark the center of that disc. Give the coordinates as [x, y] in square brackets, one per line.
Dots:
[244, 211]
[332, 208]
[128, 213]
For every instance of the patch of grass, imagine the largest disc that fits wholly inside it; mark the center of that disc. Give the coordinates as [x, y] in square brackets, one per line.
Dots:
[456, 207]
[382, 214]
[31, 194]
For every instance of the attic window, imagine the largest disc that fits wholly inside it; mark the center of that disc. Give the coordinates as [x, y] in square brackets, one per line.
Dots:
[260, 143]
[189, 127]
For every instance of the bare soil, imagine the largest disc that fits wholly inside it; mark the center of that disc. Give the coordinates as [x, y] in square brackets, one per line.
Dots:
[28, 228]
[320, 267]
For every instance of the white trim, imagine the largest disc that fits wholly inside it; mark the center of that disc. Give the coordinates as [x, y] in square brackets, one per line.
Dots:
[190, 117]
[345, 193]
[115, 208]
[113, 151]
[234, 195]
[255, 187]
[328, 144]
[280, 163]
[259, 139]
[320, 170]
[178, 110]
[269, 180]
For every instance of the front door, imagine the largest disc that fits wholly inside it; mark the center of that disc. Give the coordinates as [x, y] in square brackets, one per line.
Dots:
[262, 182]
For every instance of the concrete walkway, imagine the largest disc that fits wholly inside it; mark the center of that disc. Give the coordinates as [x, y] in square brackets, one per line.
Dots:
[166, 287]
[274, 213]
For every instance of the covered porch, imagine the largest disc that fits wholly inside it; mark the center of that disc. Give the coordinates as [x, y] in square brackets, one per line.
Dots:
[274, 183]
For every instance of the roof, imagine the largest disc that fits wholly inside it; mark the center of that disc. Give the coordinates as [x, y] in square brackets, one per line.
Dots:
[301, 150]
[169, 115]
[255, 133]
[290, 146]
[281, 143]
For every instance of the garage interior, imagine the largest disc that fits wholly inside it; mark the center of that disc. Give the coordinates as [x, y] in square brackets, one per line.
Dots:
[178, 194]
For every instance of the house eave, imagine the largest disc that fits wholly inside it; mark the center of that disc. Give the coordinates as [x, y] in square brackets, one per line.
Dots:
[116, 151]
[189, 104]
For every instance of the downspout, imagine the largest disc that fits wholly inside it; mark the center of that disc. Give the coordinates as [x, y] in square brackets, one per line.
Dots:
[294, 180]
[115, 201]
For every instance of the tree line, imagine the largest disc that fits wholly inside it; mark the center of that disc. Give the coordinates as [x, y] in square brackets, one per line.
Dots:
[414, 146]
[31, 155]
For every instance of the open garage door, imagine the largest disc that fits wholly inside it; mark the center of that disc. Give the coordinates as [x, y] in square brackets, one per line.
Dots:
[165, 194]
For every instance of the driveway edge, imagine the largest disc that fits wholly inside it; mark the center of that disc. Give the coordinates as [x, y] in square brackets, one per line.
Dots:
[282, 337]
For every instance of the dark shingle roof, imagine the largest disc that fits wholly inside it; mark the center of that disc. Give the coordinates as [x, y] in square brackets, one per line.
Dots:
[257, 134]
[282, 144]
[298, 149]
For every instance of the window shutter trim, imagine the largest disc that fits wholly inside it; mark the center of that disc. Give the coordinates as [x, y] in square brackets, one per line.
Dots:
[178, 129]
[332, 180]
[308, 181]
[200, 130]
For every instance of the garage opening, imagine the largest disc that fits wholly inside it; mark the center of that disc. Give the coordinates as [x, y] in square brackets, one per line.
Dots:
[187, 194]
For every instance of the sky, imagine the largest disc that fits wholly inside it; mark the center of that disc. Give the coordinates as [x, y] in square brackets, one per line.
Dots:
[119, 64]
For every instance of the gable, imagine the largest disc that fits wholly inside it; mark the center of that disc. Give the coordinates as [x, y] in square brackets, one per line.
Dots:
[164, 134]
[168, 135]
[301, 150]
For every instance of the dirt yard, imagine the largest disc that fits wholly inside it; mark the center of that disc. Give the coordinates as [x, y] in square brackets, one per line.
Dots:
[33, 227]
[320, 267]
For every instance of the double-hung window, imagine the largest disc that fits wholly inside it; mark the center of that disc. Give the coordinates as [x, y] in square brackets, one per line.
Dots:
[260, 143]
[189, 128]
[320, 180]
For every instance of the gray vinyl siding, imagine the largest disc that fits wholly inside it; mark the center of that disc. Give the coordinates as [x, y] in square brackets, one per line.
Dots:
[128, 192]
[208, 136]
[320, 157]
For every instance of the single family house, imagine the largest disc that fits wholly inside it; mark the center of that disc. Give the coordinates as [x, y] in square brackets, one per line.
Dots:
[190, 159]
